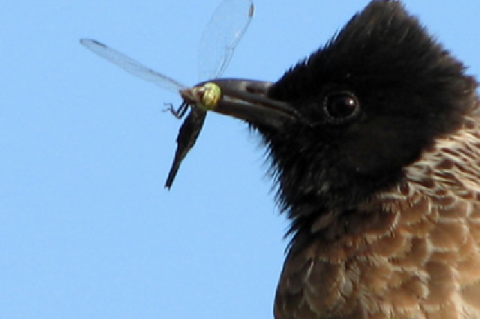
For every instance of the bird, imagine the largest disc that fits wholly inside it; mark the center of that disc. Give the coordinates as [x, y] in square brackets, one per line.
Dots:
[373, 143]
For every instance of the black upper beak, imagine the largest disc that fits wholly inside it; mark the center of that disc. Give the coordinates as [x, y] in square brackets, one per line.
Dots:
[248, 100]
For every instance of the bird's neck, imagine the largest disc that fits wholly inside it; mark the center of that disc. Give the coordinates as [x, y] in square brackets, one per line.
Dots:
[415, 243]
[445, 175]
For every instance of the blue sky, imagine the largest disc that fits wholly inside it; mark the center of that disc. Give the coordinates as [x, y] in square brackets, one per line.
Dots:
[86, 228]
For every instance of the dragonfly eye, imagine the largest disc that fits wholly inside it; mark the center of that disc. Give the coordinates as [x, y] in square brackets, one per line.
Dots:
[208, 95]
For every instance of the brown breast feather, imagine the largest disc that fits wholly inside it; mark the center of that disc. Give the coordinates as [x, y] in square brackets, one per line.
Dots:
[410, 252]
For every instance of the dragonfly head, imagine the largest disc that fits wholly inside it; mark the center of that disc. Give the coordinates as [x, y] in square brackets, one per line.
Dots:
[205, 95]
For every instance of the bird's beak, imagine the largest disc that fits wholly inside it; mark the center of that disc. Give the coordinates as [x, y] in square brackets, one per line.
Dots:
[248, 100]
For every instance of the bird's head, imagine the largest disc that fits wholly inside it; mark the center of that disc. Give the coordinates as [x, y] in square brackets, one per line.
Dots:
[345, 122]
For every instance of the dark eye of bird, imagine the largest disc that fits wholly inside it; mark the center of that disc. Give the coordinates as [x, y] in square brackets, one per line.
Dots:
[340, 106]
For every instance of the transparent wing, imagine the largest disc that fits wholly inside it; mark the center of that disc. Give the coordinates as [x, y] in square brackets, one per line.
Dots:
[132, 66]
[222, 34]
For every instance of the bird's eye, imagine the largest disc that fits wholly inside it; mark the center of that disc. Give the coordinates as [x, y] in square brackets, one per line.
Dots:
[341, 106]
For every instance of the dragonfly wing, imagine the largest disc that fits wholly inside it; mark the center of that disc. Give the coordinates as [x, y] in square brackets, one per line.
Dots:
[222, 34]
[226, 27]
[132, 66]
[186, 138]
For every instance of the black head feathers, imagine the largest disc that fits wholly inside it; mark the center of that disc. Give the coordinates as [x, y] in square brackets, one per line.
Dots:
[397, 89]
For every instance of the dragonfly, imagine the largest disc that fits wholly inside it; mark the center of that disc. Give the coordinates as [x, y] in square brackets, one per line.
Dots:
[221, 36]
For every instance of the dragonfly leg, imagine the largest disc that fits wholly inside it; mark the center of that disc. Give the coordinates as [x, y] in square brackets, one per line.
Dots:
[178, 113]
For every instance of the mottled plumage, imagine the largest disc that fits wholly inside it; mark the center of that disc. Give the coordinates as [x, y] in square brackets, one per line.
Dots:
[374, 144]
[410, 251]
[386, 209]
